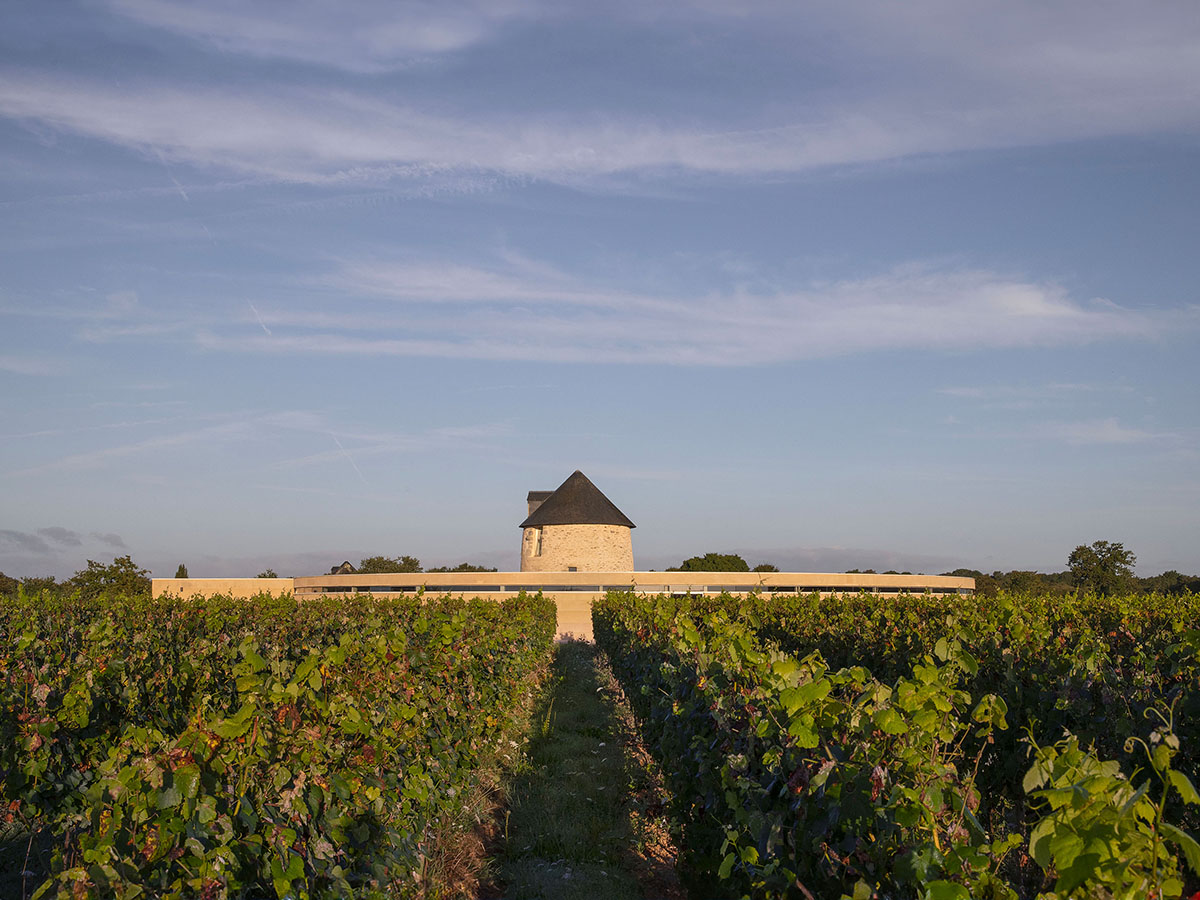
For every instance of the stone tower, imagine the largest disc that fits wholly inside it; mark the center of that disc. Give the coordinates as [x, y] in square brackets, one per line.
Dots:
[575, 529]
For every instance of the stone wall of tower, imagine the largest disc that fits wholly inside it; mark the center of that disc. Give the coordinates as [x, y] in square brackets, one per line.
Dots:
[587, 548]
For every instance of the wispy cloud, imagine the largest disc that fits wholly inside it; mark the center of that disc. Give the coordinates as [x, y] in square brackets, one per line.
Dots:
[121, 425]
[912, 79]
[110, 539]
[365, 444]
[349, 445]
[458, 311]
[31, 365]
[23, 542]
[1100, 431]
[94, 459]
[1028, 396]
[63, 536]
[360, 36]
[50, 541]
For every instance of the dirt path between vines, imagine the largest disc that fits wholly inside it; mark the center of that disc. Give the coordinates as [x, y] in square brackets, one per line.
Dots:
[584, 816]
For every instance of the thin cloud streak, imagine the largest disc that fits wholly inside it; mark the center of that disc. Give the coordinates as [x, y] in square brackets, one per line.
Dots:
[371, 444]
[97, 458]
[258, 319]
[502, 317]
[1022, 397]
[349, 458]
[1108, 431]
[357, 36]
[248, 427]
[35, 366]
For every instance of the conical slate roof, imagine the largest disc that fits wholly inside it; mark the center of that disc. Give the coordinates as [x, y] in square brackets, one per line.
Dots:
[577, 502]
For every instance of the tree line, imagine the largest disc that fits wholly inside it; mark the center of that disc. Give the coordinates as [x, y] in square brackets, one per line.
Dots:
[124, 576]
[720, 562]
[376, 565]
[1101, 567]
[121, 576]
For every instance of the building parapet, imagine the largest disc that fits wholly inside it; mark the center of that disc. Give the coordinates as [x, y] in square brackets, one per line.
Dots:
[502, 583]
[641, 582]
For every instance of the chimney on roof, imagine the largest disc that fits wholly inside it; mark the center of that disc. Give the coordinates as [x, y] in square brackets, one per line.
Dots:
[536, 499]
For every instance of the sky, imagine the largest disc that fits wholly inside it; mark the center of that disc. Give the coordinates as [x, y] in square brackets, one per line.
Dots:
[833, 285]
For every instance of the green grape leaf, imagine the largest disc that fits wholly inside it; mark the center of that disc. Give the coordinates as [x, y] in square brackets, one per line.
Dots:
[1187, 843]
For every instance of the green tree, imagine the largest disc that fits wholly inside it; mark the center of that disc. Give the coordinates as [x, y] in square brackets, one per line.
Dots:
[1102, 567]
[1170, 582]
[765, 567]
[376, 565]
[8, 586]
[1023, 582]
[266, 573]
[38, 585]
[122, 576]
[181, 572]
[713, 562]
[462, 567]
[985, 585]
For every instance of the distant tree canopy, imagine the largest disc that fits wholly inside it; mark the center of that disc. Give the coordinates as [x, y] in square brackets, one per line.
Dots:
[1170, 582]
[265, 573]
[119, 577]
[1102, 567]
[181, 572]
[1016, 581]
[765, 567]
[713, 562]
[377, 565]
[8, 586]
[38, 584]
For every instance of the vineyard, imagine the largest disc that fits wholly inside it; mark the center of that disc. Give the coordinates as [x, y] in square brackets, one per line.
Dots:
[933, 748]
[217, 748]
[922, 747]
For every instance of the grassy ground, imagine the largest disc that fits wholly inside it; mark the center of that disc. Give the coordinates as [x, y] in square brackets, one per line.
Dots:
[580, 820]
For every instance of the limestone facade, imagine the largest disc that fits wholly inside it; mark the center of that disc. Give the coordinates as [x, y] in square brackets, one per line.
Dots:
[580, 548]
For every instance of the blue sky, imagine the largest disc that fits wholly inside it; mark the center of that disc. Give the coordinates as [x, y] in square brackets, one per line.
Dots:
[832, 285]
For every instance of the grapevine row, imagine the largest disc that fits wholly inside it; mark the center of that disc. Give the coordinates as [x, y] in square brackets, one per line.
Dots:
[791, 777]
[219, 748]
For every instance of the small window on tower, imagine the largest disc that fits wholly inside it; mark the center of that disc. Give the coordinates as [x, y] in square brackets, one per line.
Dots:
[572, 568]
[537, 542]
